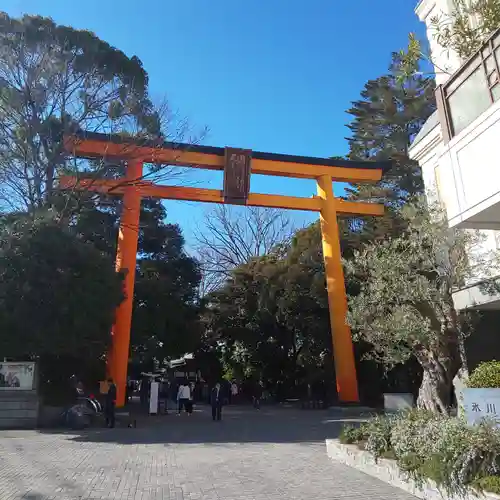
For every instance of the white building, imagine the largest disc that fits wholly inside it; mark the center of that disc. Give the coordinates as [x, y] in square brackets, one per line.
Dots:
[458, 148]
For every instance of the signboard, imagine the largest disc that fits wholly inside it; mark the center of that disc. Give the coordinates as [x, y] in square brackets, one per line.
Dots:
[480, 404]
[237, 175]
[17, 376]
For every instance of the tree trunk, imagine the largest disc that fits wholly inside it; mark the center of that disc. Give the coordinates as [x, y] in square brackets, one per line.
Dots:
[436, 388]
[433, 394]
[462, 375]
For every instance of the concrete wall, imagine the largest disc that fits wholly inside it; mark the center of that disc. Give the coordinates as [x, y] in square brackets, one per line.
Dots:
[484, 343]
[464, 171]
[464, 175]
[442, 185]
[18, 409]
[469, 174]
[445, 61]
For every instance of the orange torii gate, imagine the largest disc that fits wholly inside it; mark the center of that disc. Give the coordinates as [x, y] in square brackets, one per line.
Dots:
[238, 165]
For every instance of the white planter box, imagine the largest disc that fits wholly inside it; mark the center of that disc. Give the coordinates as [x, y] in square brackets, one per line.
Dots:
[394, 401]
[480, 404]
[388, 472]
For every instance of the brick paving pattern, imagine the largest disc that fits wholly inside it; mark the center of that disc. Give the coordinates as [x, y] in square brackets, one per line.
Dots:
[267, 455]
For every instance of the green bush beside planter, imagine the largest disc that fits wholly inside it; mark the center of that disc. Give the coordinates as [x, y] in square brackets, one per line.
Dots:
[481, 397]
[352, 435]
[485, 376]
[426, 446]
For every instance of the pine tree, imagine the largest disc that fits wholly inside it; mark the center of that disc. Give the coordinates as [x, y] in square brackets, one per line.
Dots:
[388, 116]
[386, 119]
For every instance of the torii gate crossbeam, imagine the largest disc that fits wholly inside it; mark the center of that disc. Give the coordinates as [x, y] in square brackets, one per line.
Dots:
[237, 165]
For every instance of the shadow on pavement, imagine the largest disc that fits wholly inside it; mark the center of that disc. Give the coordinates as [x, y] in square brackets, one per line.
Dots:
[239, 425]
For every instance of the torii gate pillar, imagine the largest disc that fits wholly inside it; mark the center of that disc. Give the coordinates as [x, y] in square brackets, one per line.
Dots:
[343, 351]
[126, 261]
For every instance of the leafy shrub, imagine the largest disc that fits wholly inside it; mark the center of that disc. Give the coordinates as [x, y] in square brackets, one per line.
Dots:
[487, 483]
[389, 454]
[378, 435]
[351, 434]
[374, 435]
[473, 451]
[486, 376]
[438, 447]
[434, 468]
[410, 463]
[407, 437]
[452, 453]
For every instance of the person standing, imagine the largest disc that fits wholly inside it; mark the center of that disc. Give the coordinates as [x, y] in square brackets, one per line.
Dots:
[163, 396]
[183, 397]
[190, 403]
[216, 402]
[143, 392]
[110, 402]
[234, 391]
[128, 391]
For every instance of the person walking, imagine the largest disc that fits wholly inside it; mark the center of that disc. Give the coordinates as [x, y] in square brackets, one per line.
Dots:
[110, 402]
[183, 397]
[216, 402]
[258, 395]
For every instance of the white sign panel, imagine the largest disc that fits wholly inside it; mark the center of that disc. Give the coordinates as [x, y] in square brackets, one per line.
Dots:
[17, 376]
[481, 404]
[153, 398]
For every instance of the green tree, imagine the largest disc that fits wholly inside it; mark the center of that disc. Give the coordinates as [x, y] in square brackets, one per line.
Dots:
[457, 32]
[55, 80]
[386, 119]
[403, 304]
[272, 315]
[58, 294]
[165, 321]
[463, 31]
[390, 113]
[271, 321]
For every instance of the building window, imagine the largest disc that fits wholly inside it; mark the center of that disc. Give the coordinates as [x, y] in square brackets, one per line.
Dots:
[474, 87]
[469, 100]
[497, 239]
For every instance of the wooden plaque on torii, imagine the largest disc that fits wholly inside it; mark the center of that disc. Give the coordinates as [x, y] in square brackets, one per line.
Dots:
[237, 164]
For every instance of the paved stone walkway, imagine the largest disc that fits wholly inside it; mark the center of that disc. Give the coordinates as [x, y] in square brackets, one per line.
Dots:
[267, 455]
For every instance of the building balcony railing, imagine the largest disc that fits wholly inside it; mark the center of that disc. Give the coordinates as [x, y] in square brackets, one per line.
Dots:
[471, 90]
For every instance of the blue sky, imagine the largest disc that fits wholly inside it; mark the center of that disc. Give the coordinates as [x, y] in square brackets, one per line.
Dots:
[269, 75]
